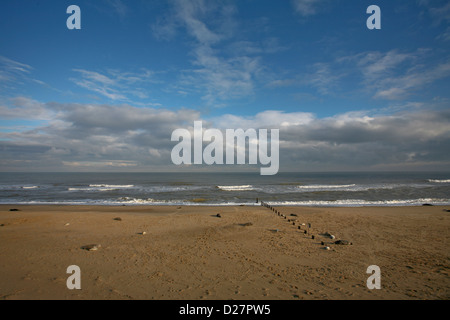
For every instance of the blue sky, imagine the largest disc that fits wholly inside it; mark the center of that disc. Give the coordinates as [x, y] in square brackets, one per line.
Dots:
[308, 63]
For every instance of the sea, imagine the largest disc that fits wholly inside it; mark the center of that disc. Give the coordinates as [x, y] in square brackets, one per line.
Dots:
[227, 189]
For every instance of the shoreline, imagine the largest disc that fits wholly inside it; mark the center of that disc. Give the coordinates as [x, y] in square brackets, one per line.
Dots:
[397, 204]
[6, 207]
[249, 253]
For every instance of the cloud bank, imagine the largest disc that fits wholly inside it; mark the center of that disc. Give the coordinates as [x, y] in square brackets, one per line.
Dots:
[87, 137]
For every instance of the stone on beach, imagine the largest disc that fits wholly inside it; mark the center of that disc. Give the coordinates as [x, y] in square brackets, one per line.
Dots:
[343, 242]
[91, 247]
[328, 235]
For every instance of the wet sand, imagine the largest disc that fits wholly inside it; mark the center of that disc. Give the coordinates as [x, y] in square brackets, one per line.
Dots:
[250, 253]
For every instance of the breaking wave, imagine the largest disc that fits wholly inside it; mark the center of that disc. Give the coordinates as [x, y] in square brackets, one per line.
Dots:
[439, 181]
[362, 203]
[236, 188]
[111, 186]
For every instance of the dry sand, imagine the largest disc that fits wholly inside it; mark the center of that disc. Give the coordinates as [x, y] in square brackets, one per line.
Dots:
[189, 253]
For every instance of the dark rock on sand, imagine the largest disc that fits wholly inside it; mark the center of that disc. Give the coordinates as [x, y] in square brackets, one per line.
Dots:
[14, 210]
[91, 247]
[328, 235]
[118, 219]
[343, 242]
[218, 215]
[294, 215]
[248, 224]
[427, 205]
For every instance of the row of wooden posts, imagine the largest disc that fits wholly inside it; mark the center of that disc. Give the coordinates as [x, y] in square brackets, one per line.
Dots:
[276, 211]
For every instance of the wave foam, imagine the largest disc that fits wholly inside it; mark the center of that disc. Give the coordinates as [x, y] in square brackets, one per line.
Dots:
[362, 203]
[439, 181]
[101, 187]
[91, 189]
[236, 188]
[111, 186]
[327, 186]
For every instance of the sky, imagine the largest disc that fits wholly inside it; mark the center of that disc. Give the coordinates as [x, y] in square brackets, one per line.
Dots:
[108, 96]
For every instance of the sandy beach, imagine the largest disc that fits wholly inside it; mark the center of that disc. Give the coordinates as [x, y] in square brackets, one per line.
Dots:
[249, 252]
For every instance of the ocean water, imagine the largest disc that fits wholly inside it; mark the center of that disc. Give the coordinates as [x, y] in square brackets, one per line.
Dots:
[295, 189]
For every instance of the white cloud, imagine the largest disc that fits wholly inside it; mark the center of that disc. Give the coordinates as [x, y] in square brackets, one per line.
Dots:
[377, 64]
[100, 164]
[306, 7]
[215, 75]
[12, 66]
[13, 73]
[323, 78]
[440, 13]
[190, 14]
[25, 109]
[115, 85]
[390, 75]
[223, 78]
[401, 86]
[120, 7]
[265, 119]
[445, 36]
